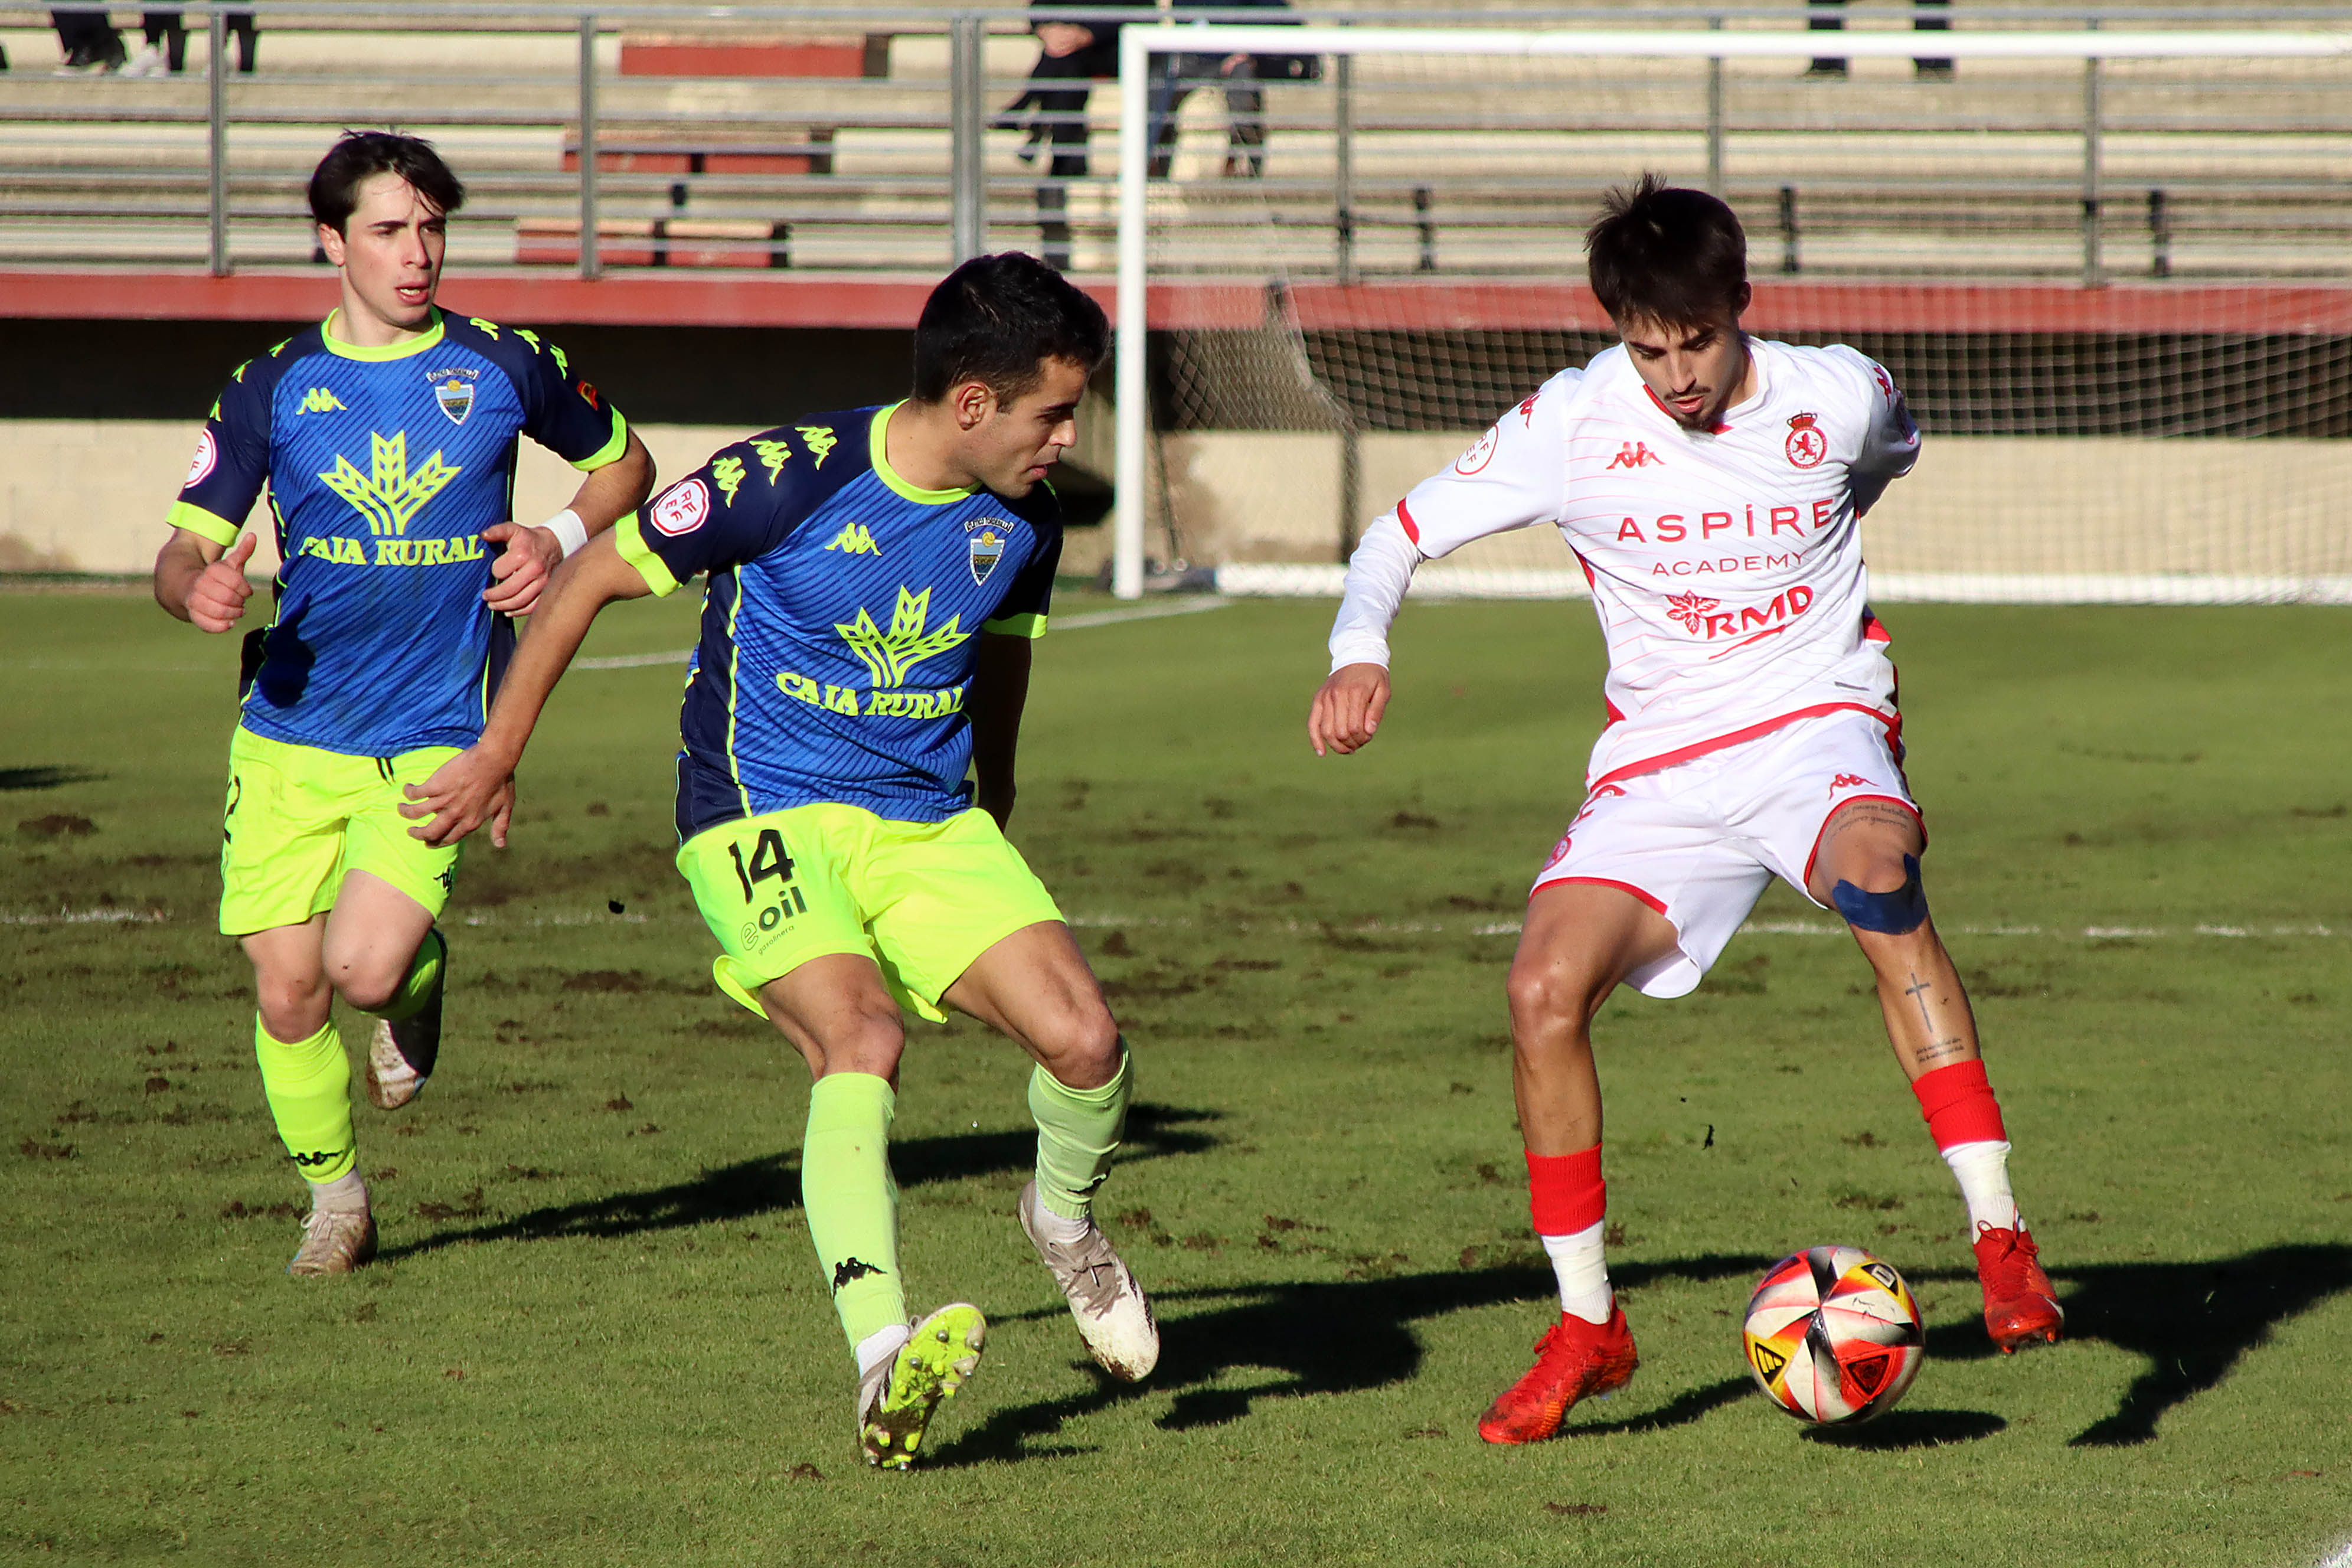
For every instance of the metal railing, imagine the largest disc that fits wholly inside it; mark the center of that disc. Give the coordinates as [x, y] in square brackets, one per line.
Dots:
[587, 153]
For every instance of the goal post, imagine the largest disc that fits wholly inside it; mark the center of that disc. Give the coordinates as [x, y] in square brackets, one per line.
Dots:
[2264, 334]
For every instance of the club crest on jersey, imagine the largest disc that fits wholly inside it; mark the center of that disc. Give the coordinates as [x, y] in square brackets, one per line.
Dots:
[1481, 453]
[682, 509]
[986, 544]
[1807, 445]
[454, 391]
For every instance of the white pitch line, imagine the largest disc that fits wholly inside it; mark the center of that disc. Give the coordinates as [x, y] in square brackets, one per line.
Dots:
[1056, 623]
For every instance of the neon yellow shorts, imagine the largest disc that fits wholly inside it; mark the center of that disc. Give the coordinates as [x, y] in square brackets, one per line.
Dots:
[921, 899]
[298, 818]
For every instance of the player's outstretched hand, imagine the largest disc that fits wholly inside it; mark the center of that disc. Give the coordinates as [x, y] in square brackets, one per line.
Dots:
[465, 791]
[1346, 712]
[216, 598]
[521, 570]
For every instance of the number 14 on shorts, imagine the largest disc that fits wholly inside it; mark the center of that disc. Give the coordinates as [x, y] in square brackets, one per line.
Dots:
[769, 859]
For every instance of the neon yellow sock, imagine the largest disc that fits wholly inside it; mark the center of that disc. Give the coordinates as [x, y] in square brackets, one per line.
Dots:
[309, 1083]
[424, 974]
[1078, 1130]
[850, 1200]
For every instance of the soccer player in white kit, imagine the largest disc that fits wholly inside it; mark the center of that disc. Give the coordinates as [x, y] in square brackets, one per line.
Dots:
[1712, 487]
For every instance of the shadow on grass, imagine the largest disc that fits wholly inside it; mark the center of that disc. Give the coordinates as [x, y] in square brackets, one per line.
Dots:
[1334, 1338]
[44, 778]
[2191, 1321]
[772, 1184]
[1899, 1430]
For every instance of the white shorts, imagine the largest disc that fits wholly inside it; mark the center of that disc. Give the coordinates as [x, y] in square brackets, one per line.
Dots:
[1699, 841]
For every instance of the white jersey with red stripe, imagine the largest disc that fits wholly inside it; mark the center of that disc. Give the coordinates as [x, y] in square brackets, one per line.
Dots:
[1726, 564]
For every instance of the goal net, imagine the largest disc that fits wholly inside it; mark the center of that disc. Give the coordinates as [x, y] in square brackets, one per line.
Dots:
[2109, 269]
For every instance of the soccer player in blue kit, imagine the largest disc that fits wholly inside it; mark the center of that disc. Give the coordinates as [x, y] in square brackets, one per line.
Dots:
[386, 437]
[876, 579]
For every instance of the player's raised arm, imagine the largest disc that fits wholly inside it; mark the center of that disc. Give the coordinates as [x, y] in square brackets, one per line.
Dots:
[564, 412]
[478, 784]
[1510, 478]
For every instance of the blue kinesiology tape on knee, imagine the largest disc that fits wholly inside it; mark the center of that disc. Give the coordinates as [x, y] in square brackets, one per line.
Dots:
[1890, 914]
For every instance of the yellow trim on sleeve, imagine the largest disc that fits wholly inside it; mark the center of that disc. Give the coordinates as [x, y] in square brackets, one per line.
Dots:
[610, 452]
[889, 476]
[631, 543]
[196, 520]
[1029, 624]
[401, 350]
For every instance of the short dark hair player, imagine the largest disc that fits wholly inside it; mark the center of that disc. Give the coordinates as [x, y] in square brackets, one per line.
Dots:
[1712, 487]
[876, 578]
[386, 436]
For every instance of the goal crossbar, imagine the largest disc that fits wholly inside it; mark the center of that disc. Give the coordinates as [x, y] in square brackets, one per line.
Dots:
[1138, 44]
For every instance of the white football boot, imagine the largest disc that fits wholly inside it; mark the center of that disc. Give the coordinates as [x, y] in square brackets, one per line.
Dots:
[1112, 1315]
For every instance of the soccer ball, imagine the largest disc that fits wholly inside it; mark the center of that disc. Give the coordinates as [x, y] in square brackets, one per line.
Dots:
[1832, 1335]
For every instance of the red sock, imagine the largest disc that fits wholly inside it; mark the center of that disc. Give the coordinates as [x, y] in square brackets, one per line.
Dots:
[1566, 1193]
[1957, 1102]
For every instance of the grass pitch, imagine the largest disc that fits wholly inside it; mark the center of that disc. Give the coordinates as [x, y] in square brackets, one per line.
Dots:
[597, 1334]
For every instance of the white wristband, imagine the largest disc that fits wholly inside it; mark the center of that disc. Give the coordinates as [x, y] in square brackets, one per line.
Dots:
[567, 527]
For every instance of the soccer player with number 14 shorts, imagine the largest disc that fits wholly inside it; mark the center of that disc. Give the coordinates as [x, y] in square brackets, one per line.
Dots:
[876, 579]
[1712, 486]
[386, 436]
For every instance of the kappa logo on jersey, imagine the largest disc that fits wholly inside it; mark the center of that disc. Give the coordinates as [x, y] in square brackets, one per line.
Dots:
[683, 508]
[201, 465]
[888, 656]
[389, 495]
[855, 539]
[1847, 781]
[729, 473]
[772, 456]
[453, 389]
[1807, 445]
[987, 544]
[1886, 386]
[319, 400]
[819, 441]
[1481, 453]
[1528, 410]
[1634, 455]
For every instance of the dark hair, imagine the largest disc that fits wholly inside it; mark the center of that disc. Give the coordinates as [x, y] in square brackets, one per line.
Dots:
[1663, 254]
[359, 155]
[996, 319]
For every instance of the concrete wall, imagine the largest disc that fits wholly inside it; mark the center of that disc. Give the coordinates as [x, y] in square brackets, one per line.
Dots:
[91, 495]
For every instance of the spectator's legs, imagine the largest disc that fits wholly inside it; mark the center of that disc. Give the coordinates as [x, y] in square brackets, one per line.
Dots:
[249, 40]
[1932, 69]
[1064, 115]
[1170, 86]
[88, 38]
[1825, 65]
[1245, 126]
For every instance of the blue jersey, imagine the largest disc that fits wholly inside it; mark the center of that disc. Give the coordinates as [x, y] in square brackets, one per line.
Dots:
[384, 466]
[838, 629]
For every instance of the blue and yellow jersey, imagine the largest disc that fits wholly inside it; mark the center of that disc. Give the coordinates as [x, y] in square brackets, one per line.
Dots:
[384, 466]
[838, 626]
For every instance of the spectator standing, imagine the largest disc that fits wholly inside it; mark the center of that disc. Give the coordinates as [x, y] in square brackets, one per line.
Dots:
[92, 46]
[1072, 56]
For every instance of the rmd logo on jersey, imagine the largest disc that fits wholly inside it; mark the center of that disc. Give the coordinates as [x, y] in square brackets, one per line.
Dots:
[1705, 617]
[682, 509]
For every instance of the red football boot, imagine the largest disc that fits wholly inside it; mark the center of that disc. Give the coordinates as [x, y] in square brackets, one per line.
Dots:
[2020, 1309]
[1574, 1359]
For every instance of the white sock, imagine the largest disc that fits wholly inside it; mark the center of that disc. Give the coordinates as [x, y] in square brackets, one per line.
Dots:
[1982, 1170]
[880, 1346]
[1583, 1273]
[1059, 1227]
[345, 1194]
